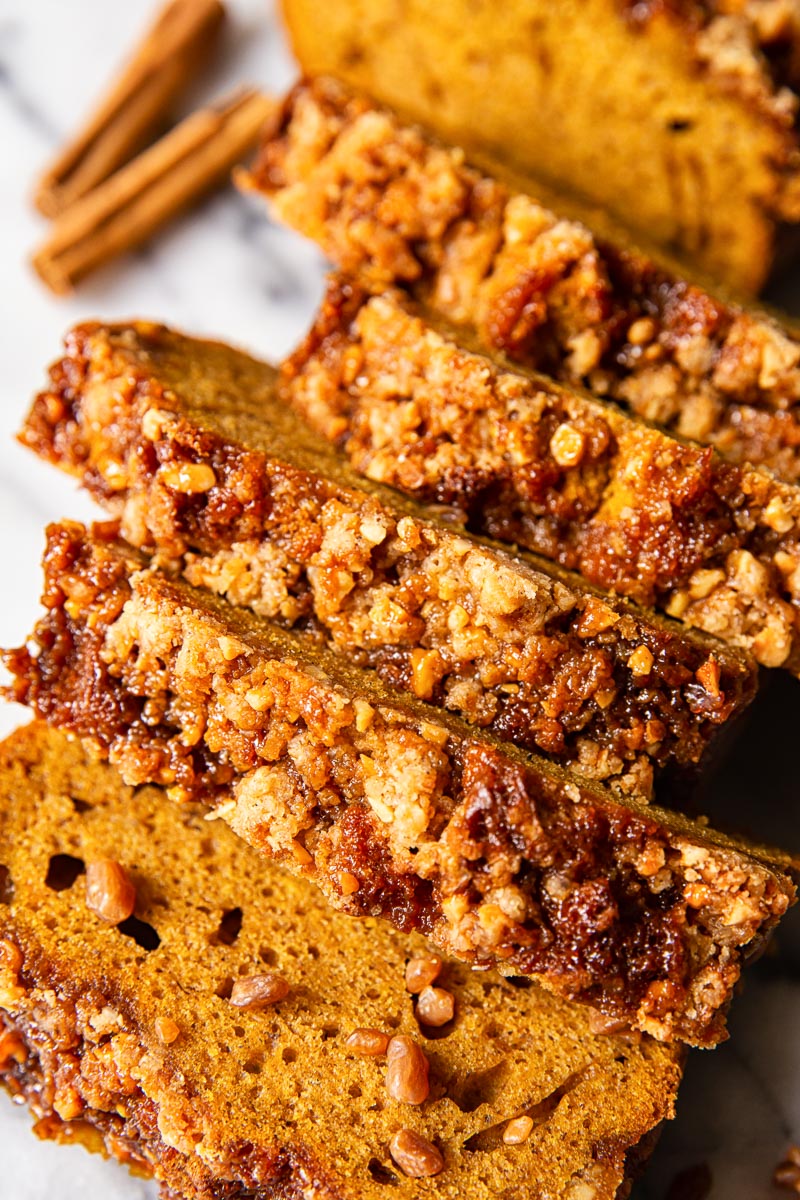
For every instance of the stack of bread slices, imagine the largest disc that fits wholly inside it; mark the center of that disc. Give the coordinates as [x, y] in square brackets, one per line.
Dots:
[346, 852]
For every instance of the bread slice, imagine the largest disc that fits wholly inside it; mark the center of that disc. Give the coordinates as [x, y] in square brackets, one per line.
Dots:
[678, 118]
[663, 521]
[395, 808]
[489, 250]
[188, 441]
[124, 1038]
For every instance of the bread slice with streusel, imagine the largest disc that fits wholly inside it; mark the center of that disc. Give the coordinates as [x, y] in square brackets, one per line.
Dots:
[680, 118]
[664, 521]
[388, 203]
[189, 442]
[152, 1039]
[394, 807]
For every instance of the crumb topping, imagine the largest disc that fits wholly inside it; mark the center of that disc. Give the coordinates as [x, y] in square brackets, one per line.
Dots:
[634, 510]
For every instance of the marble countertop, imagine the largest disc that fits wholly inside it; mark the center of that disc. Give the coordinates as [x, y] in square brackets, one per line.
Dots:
[226, 271]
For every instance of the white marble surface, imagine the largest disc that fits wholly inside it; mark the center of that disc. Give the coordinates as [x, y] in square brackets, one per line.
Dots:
[227, 271]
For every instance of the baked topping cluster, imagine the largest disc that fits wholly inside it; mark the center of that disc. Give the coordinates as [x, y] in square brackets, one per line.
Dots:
[632, 509]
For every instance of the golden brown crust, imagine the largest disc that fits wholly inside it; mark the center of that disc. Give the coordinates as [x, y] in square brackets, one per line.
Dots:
[663, 521]
[243, 1102]
[393, 207]
[392, 807]
[189, 443]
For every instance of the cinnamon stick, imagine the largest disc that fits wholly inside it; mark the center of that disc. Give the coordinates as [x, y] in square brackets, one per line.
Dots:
[163, 64]
[133, 203]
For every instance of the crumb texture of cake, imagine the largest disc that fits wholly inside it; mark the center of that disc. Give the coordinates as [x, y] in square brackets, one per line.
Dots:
[124, 1038]
[665, 522]
[679, 118]
[393, 807]
[189, 442]
[387, 204]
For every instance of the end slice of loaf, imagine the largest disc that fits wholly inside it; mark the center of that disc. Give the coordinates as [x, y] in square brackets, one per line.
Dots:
[490, 250]
[189, 442]
[124, 1038]
[394, 807]
[681, 119]
[635, 510]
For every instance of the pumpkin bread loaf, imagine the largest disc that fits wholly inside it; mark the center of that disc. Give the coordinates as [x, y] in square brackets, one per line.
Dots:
[393, 807]
[680, 118]
[188, 442]
[390, 205]
[152, 1040]
[663, 521]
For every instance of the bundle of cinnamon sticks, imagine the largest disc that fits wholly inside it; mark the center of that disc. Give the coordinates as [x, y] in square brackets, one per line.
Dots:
[109, 189]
